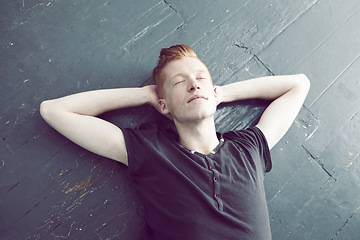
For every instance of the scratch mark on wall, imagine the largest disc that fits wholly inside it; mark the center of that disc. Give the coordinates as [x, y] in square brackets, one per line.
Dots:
[37, 204]
[7, 145]
[63, 172]
[35, 237]
[68, 234]
[13, 186]
[312, 133]
[168, 4]
[351, 163]
[30, 7]
[318, 162]
[83, 184]
[347, 221]
[84, 194]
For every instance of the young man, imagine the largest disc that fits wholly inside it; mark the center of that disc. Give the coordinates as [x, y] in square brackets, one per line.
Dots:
[194, 183]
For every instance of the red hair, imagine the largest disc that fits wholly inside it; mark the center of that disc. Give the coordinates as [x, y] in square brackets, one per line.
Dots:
[167, 55]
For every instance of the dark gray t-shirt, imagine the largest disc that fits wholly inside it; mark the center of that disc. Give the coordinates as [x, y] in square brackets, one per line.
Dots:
[189, 195]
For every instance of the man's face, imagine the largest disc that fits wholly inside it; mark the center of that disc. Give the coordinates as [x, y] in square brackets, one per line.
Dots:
[189, 94]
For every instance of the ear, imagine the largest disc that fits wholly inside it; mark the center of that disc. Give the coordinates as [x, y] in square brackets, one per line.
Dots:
[163, 109]
[162, 106]
[217, 94]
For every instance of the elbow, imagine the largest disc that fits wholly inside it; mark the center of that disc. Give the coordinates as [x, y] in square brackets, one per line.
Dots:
[304, 81]
[47, 110]
[44, 109]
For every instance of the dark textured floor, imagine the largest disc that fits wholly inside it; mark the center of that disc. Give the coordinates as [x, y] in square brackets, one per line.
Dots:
[52, 189]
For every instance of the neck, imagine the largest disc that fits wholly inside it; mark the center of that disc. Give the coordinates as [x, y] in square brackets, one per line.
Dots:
[198, 136]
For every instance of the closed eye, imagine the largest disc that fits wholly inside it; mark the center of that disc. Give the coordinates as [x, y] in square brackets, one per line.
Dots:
[201, 76]
[178, 82]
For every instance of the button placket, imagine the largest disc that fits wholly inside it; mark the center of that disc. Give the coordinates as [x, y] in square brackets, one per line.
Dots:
[216, 183]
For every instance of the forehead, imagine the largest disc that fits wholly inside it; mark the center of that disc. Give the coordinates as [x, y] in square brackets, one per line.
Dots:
[184, 66]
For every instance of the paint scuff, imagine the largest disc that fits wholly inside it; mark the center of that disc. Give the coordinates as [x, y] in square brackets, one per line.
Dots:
[83, 184]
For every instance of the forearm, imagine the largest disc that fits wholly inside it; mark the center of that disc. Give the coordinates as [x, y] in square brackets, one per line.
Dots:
[267, 88]
[93, 103]
[287, 94]
[74, 117]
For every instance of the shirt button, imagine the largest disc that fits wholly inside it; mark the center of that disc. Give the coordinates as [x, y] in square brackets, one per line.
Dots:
[216, 195]
[215, 179]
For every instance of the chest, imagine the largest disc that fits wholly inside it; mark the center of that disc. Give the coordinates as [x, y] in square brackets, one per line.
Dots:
[224, 180]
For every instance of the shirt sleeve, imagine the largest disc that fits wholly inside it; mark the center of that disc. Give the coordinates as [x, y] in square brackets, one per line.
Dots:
[130, 136]
[138, 141]
[254, 138]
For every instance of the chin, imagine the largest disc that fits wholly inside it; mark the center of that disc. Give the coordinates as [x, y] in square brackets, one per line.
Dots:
[201, 116]
[196, 114]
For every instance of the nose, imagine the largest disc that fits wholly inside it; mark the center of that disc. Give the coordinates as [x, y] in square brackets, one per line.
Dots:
[193, 84]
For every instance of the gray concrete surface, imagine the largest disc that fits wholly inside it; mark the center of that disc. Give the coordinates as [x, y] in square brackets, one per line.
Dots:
[52, 189]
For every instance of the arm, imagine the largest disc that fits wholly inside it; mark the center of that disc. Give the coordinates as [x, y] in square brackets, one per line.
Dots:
[74, 117]
[287, 92]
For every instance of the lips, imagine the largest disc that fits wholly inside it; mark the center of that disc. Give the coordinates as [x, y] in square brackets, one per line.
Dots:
[196, 97]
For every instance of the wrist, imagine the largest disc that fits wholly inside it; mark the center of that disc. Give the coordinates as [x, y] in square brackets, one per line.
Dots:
[150, 95]
[223, 94]
[219, 94]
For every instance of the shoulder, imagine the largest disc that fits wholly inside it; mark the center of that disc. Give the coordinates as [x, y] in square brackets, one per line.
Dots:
[251, 135]
[253, 141]
[149, 131]
[148, 145]
[144, 132]
[148, 135]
